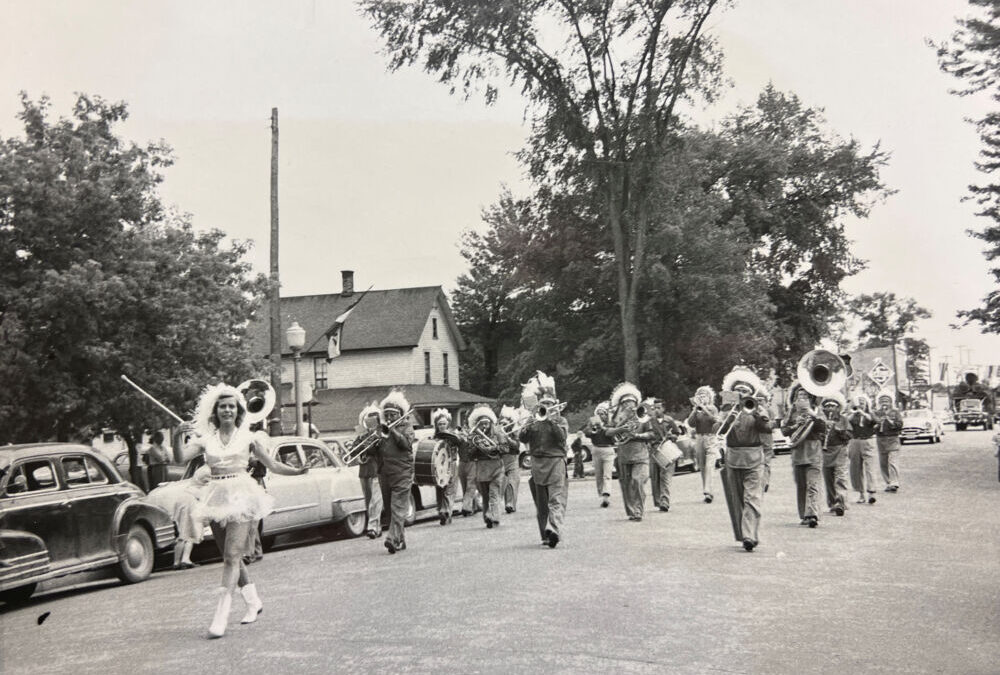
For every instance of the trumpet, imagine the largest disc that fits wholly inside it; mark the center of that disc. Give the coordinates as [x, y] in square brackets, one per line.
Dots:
[542, 412]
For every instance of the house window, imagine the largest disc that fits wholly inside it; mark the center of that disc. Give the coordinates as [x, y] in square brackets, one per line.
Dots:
[319, 368]
[445, 368]
[427, 367]
[434, 328]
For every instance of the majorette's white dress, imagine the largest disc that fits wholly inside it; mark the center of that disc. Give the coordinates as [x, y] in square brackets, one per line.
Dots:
[231, 495]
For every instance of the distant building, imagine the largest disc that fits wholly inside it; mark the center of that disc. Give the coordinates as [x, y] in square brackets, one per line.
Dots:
[404, 337]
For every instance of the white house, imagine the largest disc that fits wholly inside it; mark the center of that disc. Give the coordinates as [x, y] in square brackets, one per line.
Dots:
[404, 337]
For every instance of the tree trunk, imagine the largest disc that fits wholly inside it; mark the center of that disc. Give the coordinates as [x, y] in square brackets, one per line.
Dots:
[626, 281]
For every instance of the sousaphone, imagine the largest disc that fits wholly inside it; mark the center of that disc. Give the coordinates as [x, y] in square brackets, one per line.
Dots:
[260, 398]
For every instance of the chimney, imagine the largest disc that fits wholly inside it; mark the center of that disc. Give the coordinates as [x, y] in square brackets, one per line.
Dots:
[347, 283]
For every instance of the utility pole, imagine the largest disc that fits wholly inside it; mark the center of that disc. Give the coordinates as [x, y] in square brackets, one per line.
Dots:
[274, 424]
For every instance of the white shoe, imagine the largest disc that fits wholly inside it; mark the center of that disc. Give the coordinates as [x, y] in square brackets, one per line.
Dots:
[218, 627]
[254, 605]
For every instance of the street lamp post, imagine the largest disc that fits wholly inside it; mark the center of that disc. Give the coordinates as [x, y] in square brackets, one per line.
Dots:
[296, 336]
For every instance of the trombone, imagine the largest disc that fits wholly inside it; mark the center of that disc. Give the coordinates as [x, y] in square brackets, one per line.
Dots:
[542, 412]
[360, 451]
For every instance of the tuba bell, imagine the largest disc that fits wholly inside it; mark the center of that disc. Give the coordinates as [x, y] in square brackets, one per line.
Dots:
[260, 398]
[821, 373]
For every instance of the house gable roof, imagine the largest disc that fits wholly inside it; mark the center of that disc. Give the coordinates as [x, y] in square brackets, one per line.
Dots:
[382, 320]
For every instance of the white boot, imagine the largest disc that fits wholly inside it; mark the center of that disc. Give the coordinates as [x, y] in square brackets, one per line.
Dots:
[254, 605]
[218, 627]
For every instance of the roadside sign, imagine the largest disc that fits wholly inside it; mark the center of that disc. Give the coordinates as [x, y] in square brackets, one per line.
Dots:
[880, 373]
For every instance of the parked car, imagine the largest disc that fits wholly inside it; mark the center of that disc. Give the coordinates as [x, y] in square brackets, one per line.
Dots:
[65, 509]
[921, 425]
[327, 497]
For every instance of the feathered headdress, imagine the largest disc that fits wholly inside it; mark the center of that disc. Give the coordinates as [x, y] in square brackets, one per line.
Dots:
[603, 405]
[837, 398]
[438, 413]
[204, 412]
[395, 400]
[370, 409]
[480, 412]
[707, 390]
[508, 412]
[624, 391]
[539, 389]
[762, 394]
[740, 375]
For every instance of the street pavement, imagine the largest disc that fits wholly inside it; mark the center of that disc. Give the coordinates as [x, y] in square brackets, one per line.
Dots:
[910, 584]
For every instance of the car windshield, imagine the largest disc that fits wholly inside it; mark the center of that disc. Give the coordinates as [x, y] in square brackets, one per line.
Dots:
[971, 404]
[919, 414]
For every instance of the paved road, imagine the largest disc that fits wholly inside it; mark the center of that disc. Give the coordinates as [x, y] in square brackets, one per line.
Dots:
[908, 585]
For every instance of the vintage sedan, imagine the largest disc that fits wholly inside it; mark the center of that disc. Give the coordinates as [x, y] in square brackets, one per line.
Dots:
[921, 425]
[327, 497]
[65, 509]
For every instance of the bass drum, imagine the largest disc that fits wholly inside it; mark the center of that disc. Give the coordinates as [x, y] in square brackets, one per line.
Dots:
[431, 463]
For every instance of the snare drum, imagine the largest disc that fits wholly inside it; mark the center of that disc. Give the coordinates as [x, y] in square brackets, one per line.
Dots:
[431, 463]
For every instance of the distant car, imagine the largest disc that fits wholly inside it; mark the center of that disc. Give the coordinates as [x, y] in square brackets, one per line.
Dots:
[327, 497]
[781, 446]
[921, 425]
[945, 417]
[65, 509]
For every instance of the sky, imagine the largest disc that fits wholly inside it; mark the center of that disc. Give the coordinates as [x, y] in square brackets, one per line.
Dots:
[381, 172]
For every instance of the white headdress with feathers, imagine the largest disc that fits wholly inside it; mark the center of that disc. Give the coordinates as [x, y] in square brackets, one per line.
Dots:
[203, 424]
[508, 412]
[738, 375]
[603, 405]
[706, 390]
[479, 412]
[438, 413]
[623, 391]
[396, 400]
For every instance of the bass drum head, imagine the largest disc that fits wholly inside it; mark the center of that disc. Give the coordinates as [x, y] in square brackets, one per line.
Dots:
[432, 463]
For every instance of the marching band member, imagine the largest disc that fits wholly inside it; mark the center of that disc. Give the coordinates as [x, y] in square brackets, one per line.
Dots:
[232, 502]
[803, 422]
[631, 434]
[489, 444]
[368, 423]
[704, 420]
[742, 431]
[441, 419]
[604, 451]
[472, 501]
[888, 424]
[545, 435]
[838, 435]
[395, 454]
[509, 417]
[664, 428]
[861, 451]
[763, 397]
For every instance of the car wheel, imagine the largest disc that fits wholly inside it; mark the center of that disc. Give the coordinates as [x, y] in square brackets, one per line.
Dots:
[354, 524]
[411, 511]
[19, 595]
[136, 556]
[524, 461]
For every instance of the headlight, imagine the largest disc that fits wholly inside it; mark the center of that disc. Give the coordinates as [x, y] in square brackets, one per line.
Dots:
[927, 426]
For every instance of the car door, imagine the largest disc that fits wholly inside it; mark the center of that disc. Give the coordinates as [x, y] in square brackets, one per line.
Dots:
[94, 499]
[296, 498]
[35, 502]
[322, 469]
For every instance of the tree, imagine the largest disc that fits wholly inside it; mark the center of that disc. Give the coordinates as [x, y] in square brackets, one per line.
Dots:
[98, 280]
[745, 255]
[602, 80]
[972, 55]
[886, 318]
